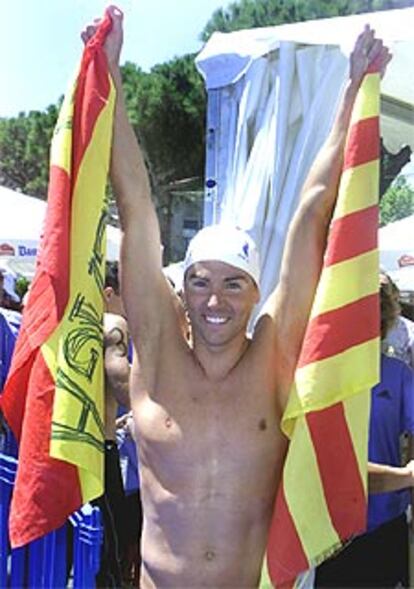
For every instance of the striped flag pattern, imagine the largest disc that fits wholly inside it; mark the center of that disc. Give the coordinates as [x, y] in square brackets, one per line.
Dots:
[322, 499]
[53, 397]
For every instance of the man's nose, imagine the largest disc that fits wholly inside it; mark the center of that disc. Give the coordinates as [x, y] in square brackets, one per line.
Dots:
[213, 300]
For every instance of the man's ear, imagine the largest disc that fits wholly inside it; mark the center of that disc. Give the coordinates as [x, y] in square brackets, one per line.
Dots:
[257, 295]
[108, 293]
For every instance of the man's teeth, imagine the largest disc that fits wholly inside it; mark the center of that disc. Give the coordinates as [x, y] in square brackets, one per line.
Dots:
[216, 320]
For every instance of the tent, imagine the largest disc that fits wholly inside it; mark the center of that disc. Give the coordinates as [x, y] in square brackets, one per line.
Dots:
[396, 242]
[21, 222]
[272, 96]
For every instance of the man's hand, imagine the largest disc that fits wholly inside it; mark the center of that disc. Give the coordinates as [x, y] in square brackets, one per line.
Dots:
[126, 423]
[114, 40]
[410, 470]
[366, 51]
[122, 422]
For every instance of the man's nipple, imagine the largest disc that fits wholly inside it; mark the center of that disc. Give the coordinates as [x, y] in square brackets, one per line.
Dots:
[209, 555]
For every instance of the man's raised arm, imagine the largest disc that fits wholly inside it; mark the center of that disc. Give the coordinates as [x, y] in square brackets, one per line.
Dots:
[291, 303]
[143, 285]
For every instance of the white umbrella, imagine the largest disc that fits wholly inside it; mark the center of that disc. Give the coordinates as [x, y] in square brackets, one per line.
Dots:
[21, 225]
[396, 245]
[404, 278]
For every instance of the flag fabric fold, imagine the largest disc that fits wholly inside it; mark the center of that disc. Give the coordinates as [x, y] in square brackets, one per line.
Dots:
[53, 396]
[322, 498]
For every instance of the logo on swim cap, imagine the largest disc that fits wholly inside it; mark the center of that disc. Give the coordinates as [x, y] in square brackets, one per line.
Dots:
[246, 250]
[224, 243]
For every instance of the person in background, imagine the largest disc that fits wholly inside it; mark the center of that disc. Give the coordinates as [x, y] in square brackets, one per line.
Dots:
[379, 558]
[399, 341]
[126, 439]
[8, 297]
[10, 321]
[116, 367]
[128, 456]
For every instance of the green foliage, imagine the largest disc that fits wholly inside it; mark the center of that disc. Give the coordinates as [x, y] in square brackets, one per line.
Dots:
[261, 13]
[24, 150]
[168, 106]
[397, 202]
[21, 286]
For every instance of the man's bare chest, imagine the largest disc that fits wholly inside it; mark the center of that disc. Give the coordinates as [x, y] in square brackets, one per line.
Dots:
[201, 434]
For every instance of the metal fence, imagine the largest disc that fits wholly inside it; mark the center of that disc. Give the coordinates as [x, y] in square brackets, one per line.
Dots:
[67, 557]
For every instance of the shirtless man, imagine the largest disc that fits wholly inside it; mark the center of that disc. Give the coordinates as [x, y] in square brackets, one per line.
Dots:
[207, 413]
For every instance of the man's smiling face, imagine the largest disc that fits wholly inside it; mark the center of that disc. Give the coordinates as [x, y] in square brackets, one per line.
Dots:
[219, 299]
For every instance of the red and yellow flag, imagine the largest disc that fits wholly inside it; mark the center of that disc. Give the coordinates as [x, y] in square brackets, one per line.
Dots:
[53, 397]
[322, 499]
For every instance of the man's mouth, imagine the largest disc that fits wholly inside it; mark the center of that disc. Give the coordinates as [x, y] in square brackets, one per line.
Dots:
[214, 320]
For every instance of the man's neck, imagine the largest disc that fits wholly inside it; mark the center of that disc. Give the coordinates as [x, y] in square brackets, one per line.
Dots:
[219, 361]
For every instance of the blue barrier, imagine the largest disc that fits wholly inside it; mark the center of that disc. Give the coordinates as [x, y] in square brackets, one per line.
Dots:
[44, 563]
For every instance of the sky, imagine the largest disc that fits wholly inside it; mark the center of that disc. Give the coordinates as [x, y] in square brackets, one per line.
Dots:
[40, 44]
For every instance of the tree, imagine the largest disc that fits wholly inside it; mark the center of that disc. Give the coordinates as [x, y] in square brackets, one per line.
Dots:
[391, 165]
[167, 109]
[397, 202]
[262, 13]
[24, 150]
[168, 105]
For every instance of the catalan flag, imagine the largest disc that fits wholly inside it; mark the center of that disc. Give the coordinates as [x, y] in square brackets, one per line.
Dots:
[322, 499]
[53, 397]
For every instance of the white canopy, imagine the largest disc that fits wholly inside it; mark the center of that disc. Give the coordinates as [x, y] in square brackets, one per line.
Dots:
[228, 56]
[21, 223]
[272, 96]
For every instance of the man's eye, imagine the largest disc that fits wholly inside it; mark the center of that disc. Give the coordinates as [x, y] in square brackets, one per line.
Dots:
[199, 283]
[234, 285]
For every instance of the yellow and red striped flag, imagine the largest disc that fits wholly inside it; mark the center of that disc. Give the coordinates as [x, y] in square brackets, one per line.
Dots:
[53, 397]
[322, 499]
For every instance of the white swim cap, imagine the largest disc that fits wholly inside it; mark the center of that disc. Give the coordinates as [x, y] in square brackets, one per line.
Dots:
[224, 243]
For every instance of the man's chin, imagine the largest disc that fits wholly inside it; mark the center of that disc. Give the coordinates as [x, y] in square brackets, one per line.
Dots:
[217, 338]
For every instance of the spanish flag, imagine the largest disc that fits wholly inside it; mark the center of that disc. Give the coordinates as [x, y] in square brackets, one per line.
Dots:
[53, 397]
[322, 499]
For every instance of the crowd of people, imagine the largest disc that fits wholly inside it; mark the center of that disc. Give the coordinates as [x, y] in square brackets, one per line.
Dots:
[120, 504]
[200, 402]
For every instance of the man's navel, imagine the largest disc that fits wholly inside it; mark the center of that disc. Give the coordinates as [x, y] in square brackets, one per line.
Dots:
[209, 555]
